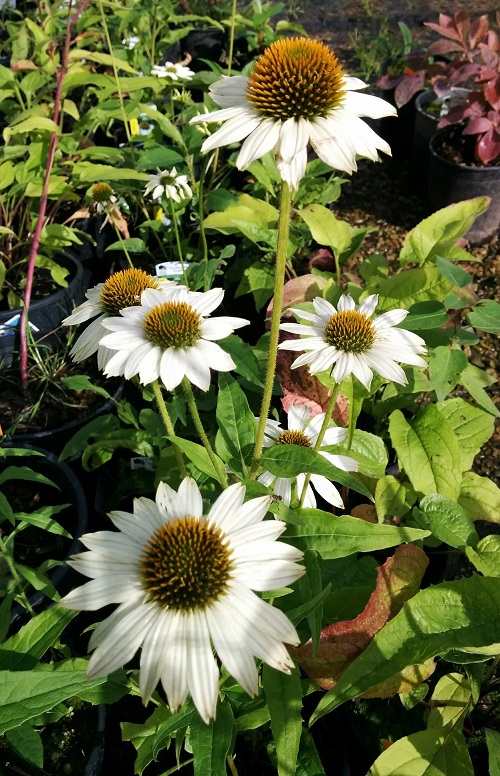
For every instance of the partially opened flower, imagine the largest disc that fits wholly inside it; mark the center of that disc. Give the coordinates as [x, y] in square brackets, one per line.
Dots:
[184, 581]
[296, 94]
[173, 70]
[303, 430]
[347, 339]
[170, 339]
[122, 289]
[168, 184]
[103, 198]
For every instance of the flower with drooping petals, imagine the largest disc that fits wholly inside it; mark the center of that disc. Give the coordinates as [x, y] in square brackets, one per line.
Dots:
[296, 94]
[168, 184]
[170, 339]
[347, 339]
[173, 70]
[303, 430]
[103, 198]
[184, 581]
[122, 289]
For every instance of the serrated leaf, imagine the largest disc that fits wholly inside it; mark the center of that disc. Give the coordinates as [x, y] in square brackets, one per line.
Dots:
[472, 427]
[480, 497]
[236, 422]
[447, 520]
[397, 580]
[338, 537]
[428, 451]
[452, 615]
[284, 699]
[211, 743]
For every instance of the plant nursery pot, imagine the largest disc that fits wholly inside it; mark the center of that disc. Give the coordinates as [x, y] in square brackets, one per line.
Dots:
[424, 128]
[398, 131]
[74, 519]
[45, 315]
[449, 182]
[207, 43]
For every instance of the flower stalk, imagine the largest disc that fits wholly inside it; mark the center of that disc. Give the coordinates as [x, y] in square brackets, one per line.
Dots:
[193, 409]
[328, 416]
[167, 422]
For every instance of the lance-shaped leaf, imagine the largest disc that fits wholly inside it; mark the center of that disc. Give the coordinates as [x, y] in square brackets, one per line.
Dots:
[397, 581]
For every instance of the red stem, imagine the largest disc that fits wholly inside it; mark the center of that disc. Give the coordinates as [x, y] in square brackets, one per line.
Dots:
[71, 21]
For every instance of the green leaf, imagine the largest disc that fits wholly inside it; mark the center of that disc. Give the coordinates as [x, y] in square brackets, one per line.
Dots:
[34, 124]
[308, 761]
[486, 556]
[310, 586]
[84, 383]
[337, 537]
[236, 422]
[390, 498]
[486, 316]
[88, 172]
[425, 315]
[198, 455]
[493, 744]
[471, 425]
[258, 279]
[368, 450]
[211, 743]
[413, 697]
[27, 743]
[426, 753]
[220, 199]
[405, 289]
[475, 381]
[446, 520]
[166, 126]
[150, 737]
[24, 473]
[438, 234]
[23, 650]
[452, 615]
[42, 518]
[102, 59]
[445, 367]
[428, 451]
[326, 229]
[97, 427]
[158, 157]
[456, 275]
[480, 497]
[131, 244]
[291, 460]
[284, 699]
[243, 356]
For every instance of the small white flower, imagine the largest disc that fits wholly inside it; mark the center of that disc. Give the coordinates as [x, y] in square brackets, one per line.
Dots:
[348, 338]
[173, 70]
[303, 430]
[103, 198]
[122, 289]
[131, 42]
[184, 581]
[170, 339]
[296, 94]
[168, 184]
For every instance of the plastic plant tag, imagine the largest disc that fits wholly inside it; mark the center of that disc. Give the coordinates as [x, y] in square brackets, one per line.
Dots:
[9, 326]
[172, 270]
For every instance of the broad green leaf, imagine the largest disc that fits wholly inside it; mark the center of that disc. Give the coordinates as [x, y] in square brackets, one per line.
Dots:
[34, 124]
[211, 743]
[445, 367]
[390, 498]
[438, 234]
[446, 520]
[101, 59]
[258, 279]
[480, 497]
[426, 753]
[337, 537]
[452, 615]
[486, 556]
[471, 425]
[310, 586]
[25, 648]
[150, 737]
[475, 380]
[428, 451]
[425, 315]
[486, 316]
[413, 697]
[167, 127]
[326, 229]
[27, 743]
[291, 460]
[410, 286]
[456, 275]
[368, 450]
[84, 383]
[308, 760]
[249, 210]
[158, 157]
[27, 694]
[220, 199]
[254, 717]
[236, 422]
[243, 356]
[198, 455]
[284, 699]
[493, 744]
[88, 172]
[451, 700]
[132, 245]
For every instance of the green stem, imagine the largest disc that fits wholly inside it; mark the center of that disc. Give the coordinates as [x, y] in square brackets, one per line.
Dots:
[232, 766]
[279, 282]
[17, 579]
[193, 409]
[177, 239]
[201, 216]
[231, 36]
[337, 267]
[123, 247]
[321, 436]
[168, 424]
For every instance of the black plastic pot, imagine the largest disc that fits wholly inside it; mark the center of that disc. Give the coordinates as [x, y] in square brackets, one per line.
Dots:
[449, 182]
[208, 43]
[424, 128]
[45, 314]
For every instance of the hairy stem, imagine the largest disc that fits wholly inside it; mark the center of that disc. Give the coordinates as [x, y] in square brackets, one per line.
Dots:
[162, 407]
[193, 409]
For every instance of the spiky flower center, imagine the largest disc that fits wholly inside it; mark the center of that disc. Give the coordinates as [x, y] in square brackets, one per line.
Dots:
[350, 331]
[167, 178]
[186, 564]
[293, 438]
[101, 192]
[296, 78]
[124, 289]
[173, 325]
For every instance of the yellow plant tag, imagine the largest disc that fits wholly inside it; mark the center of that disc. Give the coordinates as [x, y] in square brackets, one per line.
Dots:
[134, 127]
[158, 211]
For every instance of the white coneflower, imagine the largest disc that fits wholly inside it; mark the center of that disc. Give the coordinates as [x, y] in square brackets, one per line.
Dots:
[303, 430]
[168, 184]
[123, 289]
[103, 198]
[173, 70]
[170, 339]
[348, 339]
[296, 94]
[185, 581]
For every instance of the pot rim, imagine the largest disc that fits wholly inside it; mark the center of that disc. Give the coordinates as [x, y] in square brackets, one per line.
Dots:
[492, 170]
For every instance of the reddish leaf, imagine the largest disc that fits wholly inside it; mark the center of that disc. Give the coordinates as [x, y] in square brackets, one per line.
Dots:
[296, 291]
[322, 259]
[24, 64]
[404, 681]
[367, 512]
[397, 581]
[408, 88]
